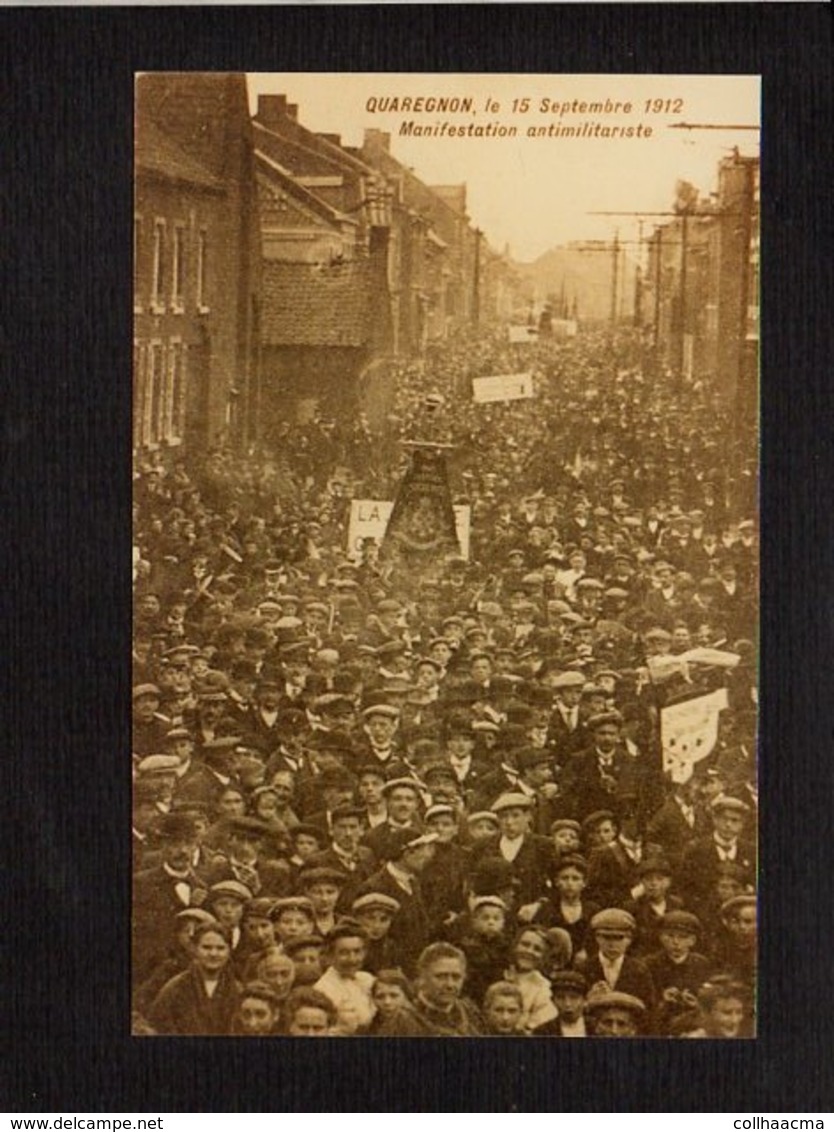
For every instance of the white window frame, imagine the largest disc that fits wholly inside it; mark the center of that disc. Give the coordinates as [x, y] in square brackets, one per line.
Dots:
[179, 267]
[140, 357]
[153, 428]
[137, 263]
[202, 271]
[175, 393]
[157, 302]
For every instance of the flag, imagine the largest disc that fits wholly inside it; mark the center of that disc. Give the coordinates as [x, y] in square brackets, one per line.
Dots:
[688, 733]
[421, 531]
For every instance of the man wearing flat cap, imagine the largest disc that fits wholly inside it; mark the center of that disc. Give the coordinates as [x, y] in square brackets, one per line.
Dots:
[404, 802]
[566, 732]
[615, 1014]
[399, 878]
[603, 775]
[699, 867]
[149, 727]
[378, 741]
[529, 855]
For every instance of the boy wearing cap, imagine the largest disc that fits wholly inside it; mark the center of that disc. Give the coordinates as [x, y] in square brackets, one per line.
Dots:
[566, 906]
[677, 970]
[226, 901]
[485, 944]
[444, 878]
[568, 993]
[652, 904]
[613, 931]
[736, 946]
[375, 912]
[480, 825]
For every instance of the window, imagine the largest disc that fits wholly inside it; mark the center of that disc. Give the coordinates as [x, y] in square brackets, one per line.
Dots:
[175, 412]
[139, 360]
[137, 275]
[158, 278]
[178, 270]
[202, 271]
[154, 394]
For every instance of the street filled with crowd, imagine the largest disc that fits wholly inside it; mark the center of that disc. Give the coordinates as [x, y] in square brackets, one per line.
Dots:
[370, 801]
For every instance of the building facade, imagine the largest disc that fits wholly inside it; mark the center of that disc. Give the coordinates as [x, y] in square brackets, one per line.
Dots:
[196, 244]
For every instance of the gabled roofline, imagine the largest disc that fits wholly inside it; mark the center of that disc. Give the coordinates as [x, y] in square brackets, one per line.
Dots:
[271, 167]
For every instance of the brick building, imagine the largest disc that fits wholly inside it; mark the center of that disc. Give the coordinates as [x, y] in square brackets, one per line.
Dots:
[196, 264]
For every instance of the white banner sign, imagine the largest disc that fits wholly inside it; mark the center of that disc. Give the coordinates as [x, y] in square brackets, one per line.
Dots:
[523, 333]
[502, 387]
[369, 519]
[688, 733]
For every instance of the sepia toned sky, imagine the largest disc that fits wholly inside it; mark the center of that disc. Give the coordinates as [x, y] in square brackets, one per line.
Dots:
[534, 193]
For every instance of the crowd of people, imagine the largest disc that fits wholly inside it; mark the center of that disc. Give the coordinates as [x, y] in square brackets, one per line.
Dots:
[369, 801]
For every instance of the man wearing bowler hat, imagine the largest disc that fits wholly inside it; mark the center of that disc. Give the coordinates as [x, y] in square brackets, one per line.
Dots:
[162, 891]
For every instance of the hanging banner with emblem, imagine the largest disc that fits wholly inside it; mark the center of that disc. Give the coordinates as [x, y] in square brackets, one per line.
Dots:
[688, 733]
[502, 387]
[421, 531]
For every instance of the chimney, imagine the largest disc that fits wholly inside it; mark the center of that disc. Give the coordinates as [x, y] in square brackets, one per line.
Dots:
[377, 139]
[334, 139]
[271, 107]
[292, 111]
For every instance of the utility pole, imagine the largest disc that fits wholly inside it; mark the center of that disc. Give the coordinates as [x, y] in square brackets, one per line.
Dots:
[615, 271]
[658, 277]
[682, 300]
[476, 294]
[638, 279]
[613, 249]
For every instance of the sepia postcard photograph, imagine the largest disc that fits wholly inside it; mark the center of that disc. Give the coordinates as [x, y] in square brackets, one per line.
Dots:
[445, 555]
